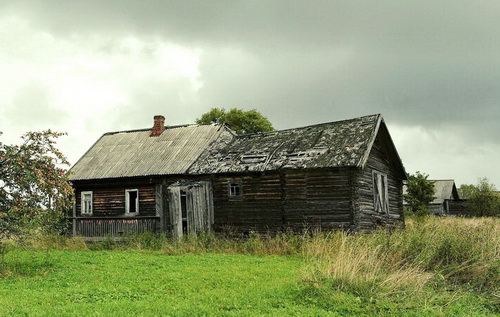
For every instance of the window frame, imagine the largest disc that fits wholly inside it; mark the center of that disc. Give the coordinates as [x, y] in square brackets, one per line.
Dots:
[380, 193]
[232, 194]
[83, 205]
[127, 202]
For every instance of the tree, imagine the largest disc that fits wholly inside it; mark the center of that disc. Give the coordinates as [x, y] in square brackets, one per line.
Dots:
[34, 189]
[466, 191]
[419, 193]
[483, 199]
[240, 121]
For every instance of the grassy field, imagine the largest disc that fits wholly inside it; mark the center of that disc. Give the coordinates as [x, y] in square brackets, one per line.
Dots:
[421, 271]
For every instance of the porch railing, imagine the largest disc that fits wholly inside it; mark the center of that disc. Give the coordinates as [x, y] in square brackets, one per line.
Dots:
[95, 227]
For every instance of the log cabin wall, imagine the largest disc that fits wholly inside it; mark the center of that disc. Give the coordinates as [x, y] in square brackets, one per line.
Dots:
[295, 199]
[318, 199]
[258, 209]
[110, 201]
[380, 160]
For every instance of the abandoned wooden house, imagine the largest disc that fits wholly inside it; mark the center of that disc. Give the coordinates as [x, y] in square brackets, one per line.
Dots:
[445, 192]
[194, 178]
[446, 199]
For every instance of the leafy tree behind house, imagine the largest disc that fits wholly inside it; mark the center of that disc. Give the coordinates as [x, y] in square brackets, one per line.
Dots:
[466, 191]
[419, 193]
[34, 188]
[482, 198]
[240, 121]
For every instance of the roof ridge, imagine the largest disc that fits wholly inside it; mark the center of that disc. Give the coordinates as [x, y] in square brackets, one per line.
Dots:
[149, 129]
[305, 127]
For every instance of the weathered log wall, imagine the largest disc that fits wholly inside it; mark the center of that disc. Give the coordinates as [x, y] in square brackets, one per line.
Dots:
[284, 200]
[458, 208]
[110, 201]
[382, 160]
[318, 199]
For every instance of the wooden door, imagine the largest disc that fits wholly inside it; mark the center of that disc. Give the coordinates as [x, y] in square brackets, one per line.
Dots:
[175, 211]
[199, 208]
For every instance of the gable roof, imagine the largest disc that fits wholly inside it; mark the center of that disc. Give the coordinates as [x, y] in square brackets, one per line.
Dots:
[444, 189]
[344, 143]
[209, 149]
[135, 153]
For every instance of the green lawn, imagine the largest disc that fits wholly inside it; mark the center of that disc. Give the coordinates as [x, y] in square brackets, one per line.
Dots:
[131, 283]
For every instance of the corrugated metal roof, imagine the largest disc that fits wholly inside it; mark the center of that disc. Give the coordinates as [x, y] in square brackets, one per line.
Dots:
[135, 153]
[336, 144]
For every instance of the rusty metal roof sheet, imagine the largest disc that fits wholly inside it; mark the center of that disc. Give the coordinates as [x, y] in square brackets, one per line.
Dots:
[337, 144]
[135, 153]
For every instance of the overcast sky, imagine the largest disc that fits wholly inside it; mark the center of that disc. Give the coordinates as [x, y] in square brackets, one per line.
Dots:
[431, 68]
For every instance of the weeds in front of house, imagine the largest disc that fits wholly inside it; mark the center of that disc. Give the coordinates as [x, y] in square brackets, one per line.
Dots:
[439, 252]
[443, 255]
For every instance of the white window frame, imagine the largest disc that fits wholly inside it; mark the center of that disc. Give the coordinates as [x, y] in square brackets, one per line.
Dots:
[231, 193]
[83, 206]
[380, 192]
[127, 202]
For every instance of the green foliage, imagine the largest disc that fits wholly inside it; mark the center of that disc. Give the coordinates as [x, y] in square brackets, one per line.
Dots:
[466, 191]
[240, 121]
[151, 283]
[436, 267]
[419, 193]
[35, 191]
[482, 199]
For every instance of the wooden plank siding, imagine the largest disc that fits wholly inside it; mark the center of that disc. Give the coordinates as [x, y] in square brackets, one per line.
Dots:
[458, 207]
[318, 199]
[110, 201]
[294, 199]
[258, 209]
[366, 218]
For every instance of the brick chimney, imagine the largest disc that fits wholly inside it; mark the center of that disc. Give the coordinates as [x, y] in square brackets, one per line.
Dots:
[158, 126]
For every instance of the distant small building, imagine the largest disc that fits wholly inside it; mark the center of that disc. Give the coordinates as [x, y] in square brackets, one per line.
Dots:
[192, 178]
[445, 192]
[446, 199]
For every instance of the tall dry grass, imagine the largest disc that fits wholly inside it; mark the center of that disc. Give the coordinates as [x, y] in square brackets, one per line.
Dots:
[458, 251]
[356, 264]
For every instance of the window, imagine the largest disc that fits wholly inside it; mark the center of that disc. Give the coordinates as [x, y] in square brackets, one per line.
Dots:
[86, 207]
[380, 194]
[131, 201]
[235, 190]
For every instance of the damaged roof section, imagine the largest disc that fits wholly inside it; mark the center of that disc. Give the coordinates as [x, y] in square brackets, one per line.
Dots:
[335, 144]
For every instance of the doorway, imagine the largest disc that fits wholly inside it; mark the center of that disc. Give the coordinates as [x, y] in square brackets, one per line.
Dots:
[190, 207]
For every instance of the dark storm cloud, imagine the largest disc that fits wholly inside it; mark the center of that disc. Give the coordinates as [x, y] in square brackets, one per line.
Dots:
[434, 64]
[424, 61]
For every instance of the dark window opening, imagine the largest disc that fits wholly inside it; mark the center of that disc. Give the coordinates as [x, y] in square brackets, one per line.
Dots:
[184, 212]
[132, 200]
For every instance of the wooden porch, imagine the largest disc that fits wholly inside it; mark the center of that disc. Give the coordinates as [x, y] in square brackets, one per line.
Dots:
[101, 227]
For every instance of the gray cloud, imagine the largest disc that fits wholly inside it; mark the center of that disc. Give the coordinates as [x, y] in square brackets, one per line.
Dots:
[420, 63]
[31, 104]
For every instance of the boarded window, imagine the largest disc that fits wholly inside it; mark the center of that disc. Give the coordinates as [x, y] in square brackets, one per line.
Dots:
[131, 201]
[235, 190]
[86, 207]
[253, 158]
[380, 193]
